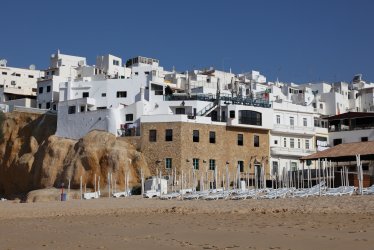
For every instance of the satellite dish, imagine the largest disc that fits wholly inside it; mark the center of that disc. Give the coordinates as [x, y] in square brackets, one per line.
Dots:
[32, 67]
[3, 62]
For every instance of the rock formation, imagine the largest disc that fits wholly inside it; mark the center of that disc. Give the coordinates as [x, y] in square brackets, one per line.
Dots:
[31, 157]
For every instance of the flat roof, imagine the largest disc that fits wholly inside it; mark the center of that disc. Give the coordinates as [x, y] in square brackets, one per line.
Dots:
[350, 115]
[345, 152]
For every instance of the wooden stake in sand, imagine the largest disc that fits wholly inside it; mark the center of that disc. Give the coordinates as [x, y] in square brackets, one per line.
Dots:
[81, 187]
[98, 186]
[68, 189]
[108, 181]
[95, 183]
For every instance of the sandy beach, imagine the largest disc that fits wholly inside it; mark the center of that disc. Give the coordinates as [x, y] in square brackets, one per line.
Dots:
[136, 223]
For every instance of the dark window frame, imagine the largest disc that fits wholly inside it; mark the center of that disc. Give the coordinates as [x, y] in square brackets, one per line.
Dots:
[195, 136]
[212, 137]
[168, 163]
[129, 117]
[121, 94]
[153, 135]
[240, 140]
[250, 117]
[168, 135]
[256, 141]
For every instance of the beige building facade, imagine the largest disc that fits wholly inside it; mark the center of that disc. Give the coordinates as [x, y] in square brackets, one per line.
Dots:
[188, 145]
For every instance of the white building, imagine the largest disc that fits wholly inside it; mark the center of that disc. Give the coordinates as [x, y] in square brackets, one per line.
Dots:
[17, 85]
[293, 136]
[351, 127]
[110, 104]
[62, 68]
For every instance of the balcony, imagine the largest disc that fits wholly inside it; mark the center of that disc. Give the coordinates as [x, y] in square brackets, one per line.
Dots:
[281, 128]
[296, 152]
[227, 99]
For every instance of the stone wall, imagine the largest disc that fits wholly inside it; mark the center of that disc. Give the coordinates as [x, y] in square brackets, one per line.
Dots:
[182, 149]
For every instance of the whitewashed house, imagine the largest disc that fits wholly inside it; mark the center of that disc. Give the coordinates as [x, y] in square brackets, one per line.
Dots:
[18, 86]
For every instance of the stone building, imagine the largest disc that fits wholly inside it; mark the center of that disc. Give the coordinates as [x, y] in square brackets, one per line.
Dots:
[186, 144]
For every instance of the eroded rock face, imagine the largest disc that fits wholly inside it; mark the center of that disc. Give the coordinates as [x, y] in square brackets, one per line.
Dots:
[31, 157]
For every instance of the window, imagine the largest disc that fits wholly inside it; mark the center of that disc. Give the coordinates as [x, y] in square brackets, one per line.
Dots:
[53, 72]
[152, 135]
[13, 82]
[168, 135]
[298, 143]
[146, 73]
[278, 119]
[103, 94]
[18, 75]
[305, 122]
[121, 94]
[250, 117]
[116, 62]
[4, 73]
[240, 140]
[275, 168]
[40, 90]
[306, 144]
[285, 142]
[195, 136]
[256, 141]
[83, 109]
[292, 143]
[33, 89]
[31, 76]
[212, 137]
[71, 110]
[212, 164]
[364, 139]
[316, 122]
[48, 88]
[232, 113]
[321, 106]
[48, 105]
[86, 94]
[337, 141]
[241, 166]
[365, 167]
[293, 166]
[180, 111]
[292, 121]
[168, 163]
[276, 142]
[195, 163]
[136, 73]
[129, 117]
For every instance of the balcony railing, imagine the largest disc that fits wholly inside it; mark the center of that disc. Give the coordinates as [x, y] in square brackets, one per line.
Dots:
[296, 129]
[226, 98]
[339, 128]
[291, 151]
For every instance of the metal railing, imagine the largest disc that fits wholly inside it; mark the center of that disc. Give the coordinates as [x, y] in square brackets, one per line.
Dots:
[226, 98]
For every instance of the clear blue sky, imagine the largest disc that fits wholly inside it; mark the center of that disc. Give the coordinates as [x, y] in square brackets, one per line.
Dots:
[299, 41]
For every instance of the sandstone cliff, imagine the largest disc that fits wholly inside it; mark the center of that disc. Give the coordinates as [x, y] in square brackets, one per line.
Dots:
[31, 157]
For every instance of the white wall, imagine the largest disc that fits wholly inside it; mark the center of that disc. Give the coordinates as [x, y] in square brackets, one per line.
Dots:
[351, 136]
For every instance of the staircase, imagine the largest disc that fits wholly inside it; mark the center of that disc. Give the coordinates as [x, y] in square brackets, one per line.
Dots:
[207, 109]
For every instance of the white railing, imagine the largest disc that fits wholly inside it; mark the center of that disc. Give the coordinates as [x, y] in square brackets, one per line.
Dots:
[292, 128]
[291, 151]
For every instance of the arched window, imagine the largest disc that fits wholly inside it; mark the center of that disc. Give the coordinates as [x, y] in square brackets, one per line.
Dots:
[250, 117]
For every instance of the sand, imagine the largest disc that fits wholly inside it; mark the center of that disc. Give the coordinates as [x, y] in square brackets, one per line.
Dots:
[136, 223]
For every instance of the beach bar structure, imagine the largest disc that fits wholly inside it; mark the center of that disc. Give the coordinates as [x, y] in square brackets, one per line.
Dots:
[356, 158]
